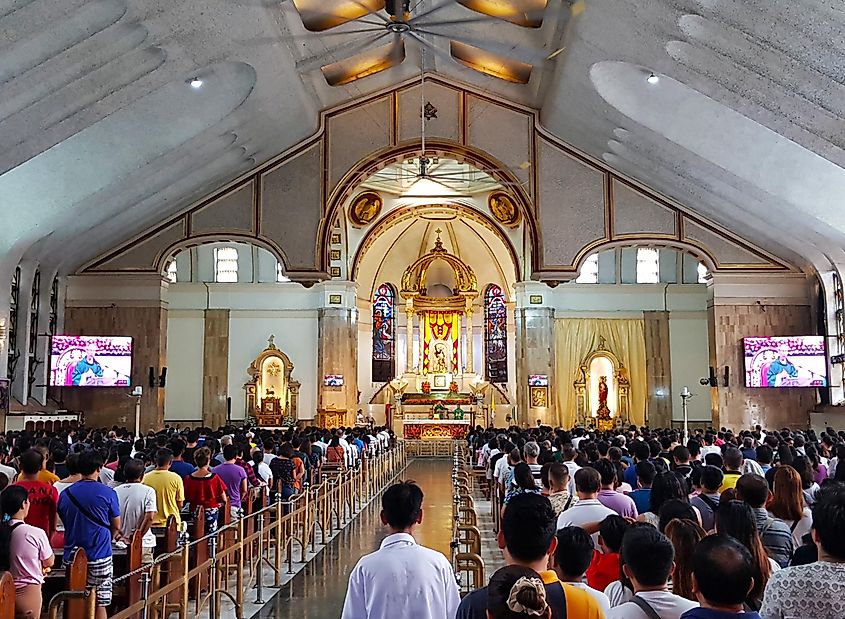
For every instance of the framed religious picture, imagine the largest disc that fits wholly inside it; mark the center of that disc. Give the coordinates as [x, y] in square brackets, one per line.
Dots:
[539, 397]
[334, 271]
[441, 381]
[334, 254]
[365, 207]
[5, 396]
[335, 238]
[504, 209]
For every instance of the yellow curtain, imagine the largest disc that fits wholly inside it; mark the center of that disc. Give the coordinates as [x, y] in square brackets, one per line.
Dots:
[575, 338]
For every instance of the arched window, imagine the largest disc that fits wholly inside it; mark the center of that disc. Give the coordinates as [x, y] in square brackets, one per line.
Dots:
[589, 273]
[495, 335]
[648, 265]
[225, 264]
[172, 272]
[384, 330]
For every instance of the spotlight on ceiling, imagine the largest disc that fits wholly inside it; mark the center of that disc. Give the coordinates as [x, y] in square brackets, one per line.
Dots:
[652, 79]
[195, 82]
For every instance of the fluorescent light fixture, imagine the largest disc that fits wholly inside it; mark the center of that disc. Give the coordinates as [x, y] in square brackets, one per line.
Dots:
[653, 79]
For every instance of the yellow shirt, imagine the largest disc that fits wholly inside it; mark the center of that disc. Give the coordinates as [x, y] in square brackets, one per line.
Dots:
[44, 476]
[729, 481]
[579, 603]
[169, 489]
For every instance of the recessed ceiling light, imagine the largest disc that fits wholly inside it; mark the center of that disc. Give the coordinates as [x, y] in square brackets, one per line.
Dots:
[195, 82]
[652, 79]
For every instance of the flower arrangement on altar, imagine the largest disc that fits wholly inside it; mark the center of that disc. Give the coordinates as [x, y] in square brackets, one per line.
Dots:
[453, 387]
[426, 387]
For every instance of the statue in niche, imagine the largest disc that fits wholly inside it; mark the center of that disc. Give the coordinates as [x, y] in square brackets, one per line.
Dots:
[365, 208]
[440, 365]
[603, 392]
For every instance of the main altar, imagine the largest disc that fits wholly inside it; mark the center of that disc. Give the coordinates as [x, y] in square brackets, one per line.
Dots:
[438, 397]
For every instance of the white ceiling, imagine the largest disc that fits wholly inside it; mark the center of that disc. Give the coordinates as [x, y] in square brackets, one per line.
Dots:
[103, 137]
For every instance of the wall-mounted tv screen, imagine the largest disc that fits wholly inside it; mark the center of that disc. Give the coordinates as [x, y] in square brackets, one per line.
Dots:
[538, 380]
[90, 361]
[797, 361]
[333, 380]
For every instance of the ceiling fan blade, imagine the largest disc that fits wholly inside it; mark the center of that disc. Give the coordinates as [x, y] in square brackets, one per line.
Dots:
[491, 64]
[525, 13]
[432, 11]
[365, 64]
[316, 19]
[349, 48]
[518, 53]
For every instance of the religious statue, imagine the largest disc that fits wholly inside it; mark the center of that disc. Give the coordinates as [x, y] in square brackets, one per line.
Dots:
[603, 413]
[440, 365]
[365, 208]
[503, 209]
[603, 391]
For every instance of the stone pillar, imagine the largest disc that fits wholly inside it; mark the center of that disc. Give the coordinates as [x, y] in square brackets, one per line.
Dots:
[338, 347]
[658, 370]
[757, 305]
[469, 361]
[534, 324]
[129, 305]
[215, 367]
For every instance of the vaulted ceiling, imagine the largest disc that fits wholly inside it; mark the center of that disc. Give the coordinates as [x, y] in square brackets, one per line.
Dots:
[103, 133]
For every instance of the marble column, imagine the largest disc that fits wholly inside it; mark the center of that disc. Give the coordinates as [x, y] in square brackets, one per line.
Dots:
[409, 339]
[215, 367]
[534, 323]
[338, 348]
[658, 369]
[756, 305]
[470, 361]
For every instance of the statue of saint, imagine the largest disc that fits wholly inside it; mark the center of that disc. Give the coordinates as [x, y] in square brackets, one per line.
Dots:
[440, 365]
[603, 391]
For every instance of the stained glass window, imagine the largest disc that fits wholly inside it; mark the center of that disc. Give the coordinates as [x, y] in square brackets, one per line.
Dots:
[34, 312]
[13, 324]
[384, 333]
[495, 335]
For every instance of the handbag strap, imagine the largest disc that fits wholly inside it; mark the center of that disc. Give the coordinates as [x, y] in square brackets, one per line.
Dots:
[645, 607]
[84, 511]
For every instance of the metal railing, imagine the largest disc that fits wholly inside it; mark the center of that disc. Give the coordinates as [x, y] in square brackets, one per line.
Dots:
[275, 538]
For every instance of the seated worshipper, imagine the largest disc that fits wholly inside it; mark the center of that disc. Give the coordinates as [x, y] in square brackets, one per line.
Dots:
[234, 477]
[736, 519]
[605, 566]
[137, 507]
[645, 477]
[402, 578]
[523, 481]
[559, 494]
[43, 497]
[169, 489]
[573, 555]
[531, 451]
[775, 534]
[814, 590]
[588, 510]
[707, 501]
[733, 468]
[648, 561]
[722, 576]
[204, 488]
[787, 504]
[517, 592]
[91, 516]
[622, 504]
[527, 538]
[44, 475]
[684, 535]
[24, 552]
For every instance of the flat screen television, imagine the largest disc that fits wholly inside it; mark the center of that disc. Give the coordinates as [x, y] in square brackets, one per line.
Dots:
[90, 361]
[538, 380]
[333, 380]
[776, 362]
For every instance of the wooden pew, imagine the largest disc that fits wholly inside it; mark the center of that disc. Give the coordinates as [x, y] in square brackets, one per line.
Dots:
[199, 552]
[76, 579]
[7, 596]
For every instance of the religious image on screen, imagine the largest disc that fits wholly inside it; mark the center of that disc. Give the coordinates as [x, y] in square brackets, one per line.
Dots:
[798, 361]
[333, 380]
[90, 361]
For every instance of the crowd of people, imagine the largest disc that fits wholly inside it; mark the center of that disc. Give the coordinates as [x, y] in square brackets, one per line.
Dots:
[633, 525]
[94, 489]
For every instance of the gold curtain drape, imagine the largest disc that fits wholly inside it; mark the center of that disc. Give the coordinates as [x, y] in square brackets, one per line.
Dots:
[575, 338]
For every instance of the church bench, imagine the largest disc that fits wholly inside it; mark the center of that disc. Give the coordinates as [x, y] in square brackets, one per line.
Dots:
[7, 596]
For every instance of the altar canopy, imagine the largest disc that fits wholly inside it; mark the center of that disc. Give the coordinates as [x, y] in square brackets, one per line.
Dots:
[441, 341]
[576, 338]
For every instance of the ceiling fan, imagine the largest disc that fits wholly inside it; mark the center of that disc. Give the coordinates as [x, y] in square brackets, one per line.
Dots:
[396, 20]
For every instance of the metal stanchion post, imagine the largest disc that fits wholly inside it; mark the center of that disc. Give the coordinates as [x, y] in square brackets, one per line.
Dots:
[212, 586]
[145, 592]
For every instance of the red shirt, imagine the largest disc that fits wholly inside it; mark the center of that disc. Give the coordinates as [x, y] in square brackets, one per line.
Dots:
[43, 499]
[603, 570]
[205, 491]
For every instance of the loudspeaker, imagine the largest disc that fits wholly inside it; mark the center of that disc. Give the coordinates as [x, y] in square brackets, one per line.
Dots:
[152, 377]
[713, 381]
[162, 378]
[727, 376]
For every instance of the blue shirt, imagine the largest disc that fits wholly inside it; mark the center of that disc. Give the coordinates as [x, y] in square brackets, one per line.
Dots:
[91, 532]
[630, 476]
[181, 468]
[642, 499]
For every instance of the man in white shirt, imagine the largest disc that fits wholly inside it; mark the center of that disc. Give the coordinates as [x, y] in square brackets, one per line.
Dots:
[588, 509]
[573, 556]
[648, 559]
[402, 578]
[569, 454]
[10, 473]
[137, 507]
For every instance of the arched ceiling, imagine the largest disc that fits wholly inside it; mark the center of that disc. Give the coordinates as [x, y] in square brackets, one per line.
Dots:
[103, 135]
[401, 242]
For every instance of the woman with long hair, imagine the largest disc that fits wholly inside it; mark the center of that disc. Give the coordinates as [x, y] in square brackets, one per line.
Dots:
[684, 535]
[335, 454]
[788, 505]
[808, 481]
[736, 519]
[523, 481]
[517, 592]
[666, 485]
[819, 469]
[24, 552]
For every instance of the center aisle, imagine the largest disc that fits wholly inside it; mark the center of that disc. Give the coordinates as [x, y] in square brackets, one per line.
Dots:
[317, 592]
